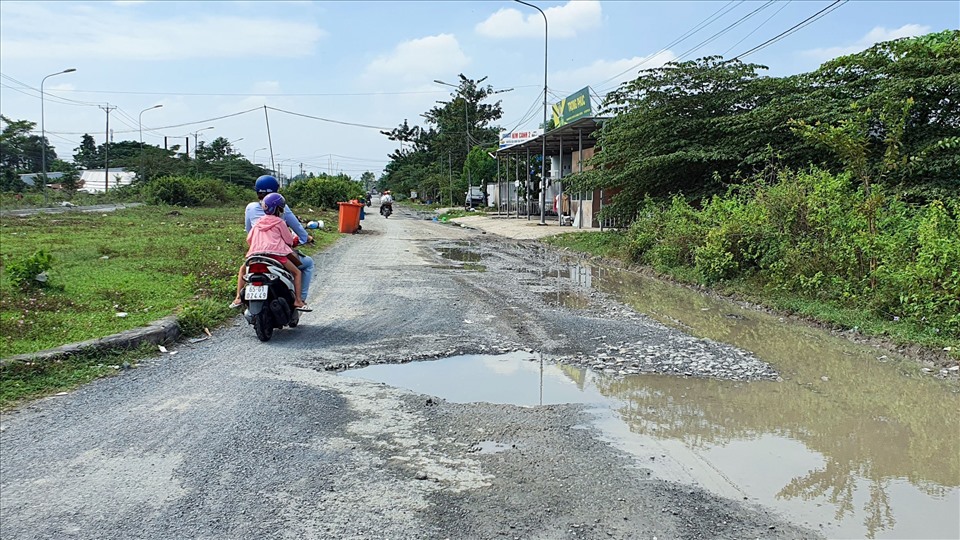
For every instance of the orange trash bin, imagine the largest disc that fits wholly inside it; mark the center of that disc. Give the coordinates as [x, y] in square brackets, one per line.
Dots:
[349, 216]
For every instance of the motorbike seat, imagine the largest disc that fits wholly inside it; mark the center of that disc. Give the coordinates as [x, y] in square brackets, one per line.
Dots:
[263, 258]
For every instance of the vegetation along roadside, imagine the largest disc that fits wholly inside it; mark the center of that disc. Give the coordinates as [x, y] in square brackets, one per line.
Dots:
[103, 273]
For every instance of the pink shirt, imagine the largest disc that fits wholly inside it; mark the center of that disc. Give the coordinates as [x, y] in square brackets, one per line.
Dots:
[270, 235]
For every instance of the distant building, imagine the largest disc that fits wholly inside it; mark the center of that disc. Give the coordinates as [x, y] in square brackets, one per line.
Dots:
[32, 179]
[98, 180]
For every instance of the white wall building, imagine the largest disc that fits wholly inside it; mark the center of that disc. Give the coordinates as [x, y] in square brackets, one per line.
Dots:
[98, 180]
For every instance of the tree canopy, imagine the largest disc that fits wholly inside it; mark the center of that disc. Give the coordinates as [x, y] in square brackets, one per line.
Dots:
[693, 127]
[432, 160]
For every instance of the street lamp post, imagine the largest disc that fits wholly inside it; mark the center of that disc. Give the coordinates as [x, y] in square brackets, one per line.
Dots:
[143, 174]
[255, 154]
[196, 134]
[543, 163]
[43, 135]
[280, 170]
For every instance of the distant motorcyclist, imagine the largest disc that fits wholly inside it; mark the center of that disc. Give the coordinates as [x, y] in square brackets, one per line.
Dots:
[386, 203]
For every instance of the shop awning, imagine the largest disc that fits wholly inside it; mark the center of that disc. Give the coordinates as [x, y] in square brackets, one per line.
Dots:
[564, 137]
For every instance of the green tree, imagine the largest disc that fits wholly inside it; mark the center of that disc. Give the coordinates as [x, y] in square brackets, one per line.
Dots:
[924, 70]
[368, 180]
[87, 156]
[20, 152]
[672, 130]
[453, 128]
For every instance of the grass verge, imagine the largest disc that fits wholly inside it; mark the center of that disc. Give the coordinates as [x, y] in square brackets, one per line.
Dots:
[24, 381]
[115, 271]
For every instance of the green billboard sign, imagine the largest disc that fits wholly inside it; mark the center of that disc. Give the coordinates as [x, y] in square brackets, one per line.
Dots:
[573, 107]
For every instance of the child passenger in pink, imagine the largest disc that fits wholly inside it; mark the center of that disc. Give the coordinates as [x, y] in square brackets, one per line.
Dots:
[270, 236]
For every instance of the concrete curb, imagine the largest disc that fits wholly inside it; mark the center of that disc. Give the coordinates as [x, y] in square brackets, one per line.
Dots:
[162, 331]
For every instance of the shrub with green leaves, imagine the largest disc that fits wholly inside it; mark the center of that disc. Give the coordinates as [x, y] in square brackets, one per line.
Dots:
[187, 191]
[322, 192]
[808, 234]
[23, 272]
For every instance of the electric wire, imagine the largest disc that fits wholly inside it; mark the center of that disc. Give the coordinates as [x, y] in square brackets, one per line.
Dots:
[809, 20]
[176, 125]
[703, 24]
[46, 93]
[327, 119]
[527, 116]
[759, 26]
[274, 94]
[730, 27]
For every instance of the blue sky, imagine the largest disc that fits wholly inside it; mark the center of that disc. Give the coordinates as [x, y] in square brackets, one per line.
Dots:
[373, 63]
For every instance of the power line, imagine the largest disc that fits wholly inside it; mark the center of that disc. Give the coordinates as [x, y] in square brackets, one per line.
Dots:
[328, 119]
[809, 20]
[736, 23]
[530, 112]
[275, 94]
[703, 24]
[175, 125]
[47, 93]
[759, 26]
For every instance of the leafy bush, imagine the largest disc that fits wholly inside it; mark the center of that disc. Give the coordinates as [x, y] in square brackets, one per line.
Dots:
[322, 192]
[187, 191]
[808, 234]
[23, 272]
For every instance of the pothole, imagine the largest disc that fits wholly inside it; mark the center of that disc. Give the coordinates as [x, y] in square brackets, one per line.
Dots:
[516, 378]
[787, 445]
[567, 299]
[459, 254]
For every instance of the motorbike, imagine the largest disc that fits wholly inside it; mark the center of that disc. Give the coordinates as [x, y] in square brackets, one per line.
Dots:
[386, 209]
[268, 296]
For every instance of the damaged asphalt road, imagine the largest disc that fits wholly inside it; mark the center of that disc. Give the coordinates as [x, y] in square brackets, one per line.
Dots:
[234, 438]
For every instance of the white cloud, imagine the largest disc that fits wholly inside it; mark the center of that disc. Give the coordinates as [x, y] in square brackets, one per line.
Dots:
[419, 60]
[874, 36]
[562, 21]
[84, 31]
[607, 74]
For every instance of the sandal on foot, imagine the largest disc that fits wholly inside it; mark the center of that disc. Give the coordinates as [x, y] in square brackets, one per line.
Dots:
[236, 304]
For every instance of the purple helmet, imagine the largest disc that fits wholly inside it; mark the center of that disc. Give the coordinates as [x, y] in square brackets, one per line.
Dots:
[273, 204]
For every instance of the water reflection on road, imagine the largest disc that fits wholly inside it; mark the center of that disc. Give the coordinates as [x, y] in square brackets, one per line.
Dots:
[851, 432]
[853, 442]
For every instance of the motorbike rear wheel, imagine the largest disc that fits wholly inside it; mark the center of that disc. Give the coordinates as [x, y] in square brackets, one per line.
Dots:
[263, 325]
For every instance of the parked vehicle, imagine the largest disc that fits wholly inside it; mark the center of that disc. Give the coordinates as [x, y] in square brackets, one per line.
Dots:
[474, 197]
[268, 296]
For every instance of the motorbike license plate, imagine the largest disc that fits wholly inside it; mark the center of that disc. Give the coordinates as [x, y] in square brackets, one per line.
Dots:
[255, 292]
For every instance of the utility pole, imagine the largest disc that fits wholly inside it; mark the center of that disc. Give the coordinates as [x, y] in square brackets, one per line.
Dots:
[106, 150]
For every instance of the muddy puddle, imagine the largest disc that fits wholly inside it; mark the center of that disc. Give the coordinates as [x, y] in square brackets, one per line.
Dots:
[462, 256]
[854, 442]
[459, 254]
[567, 299]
